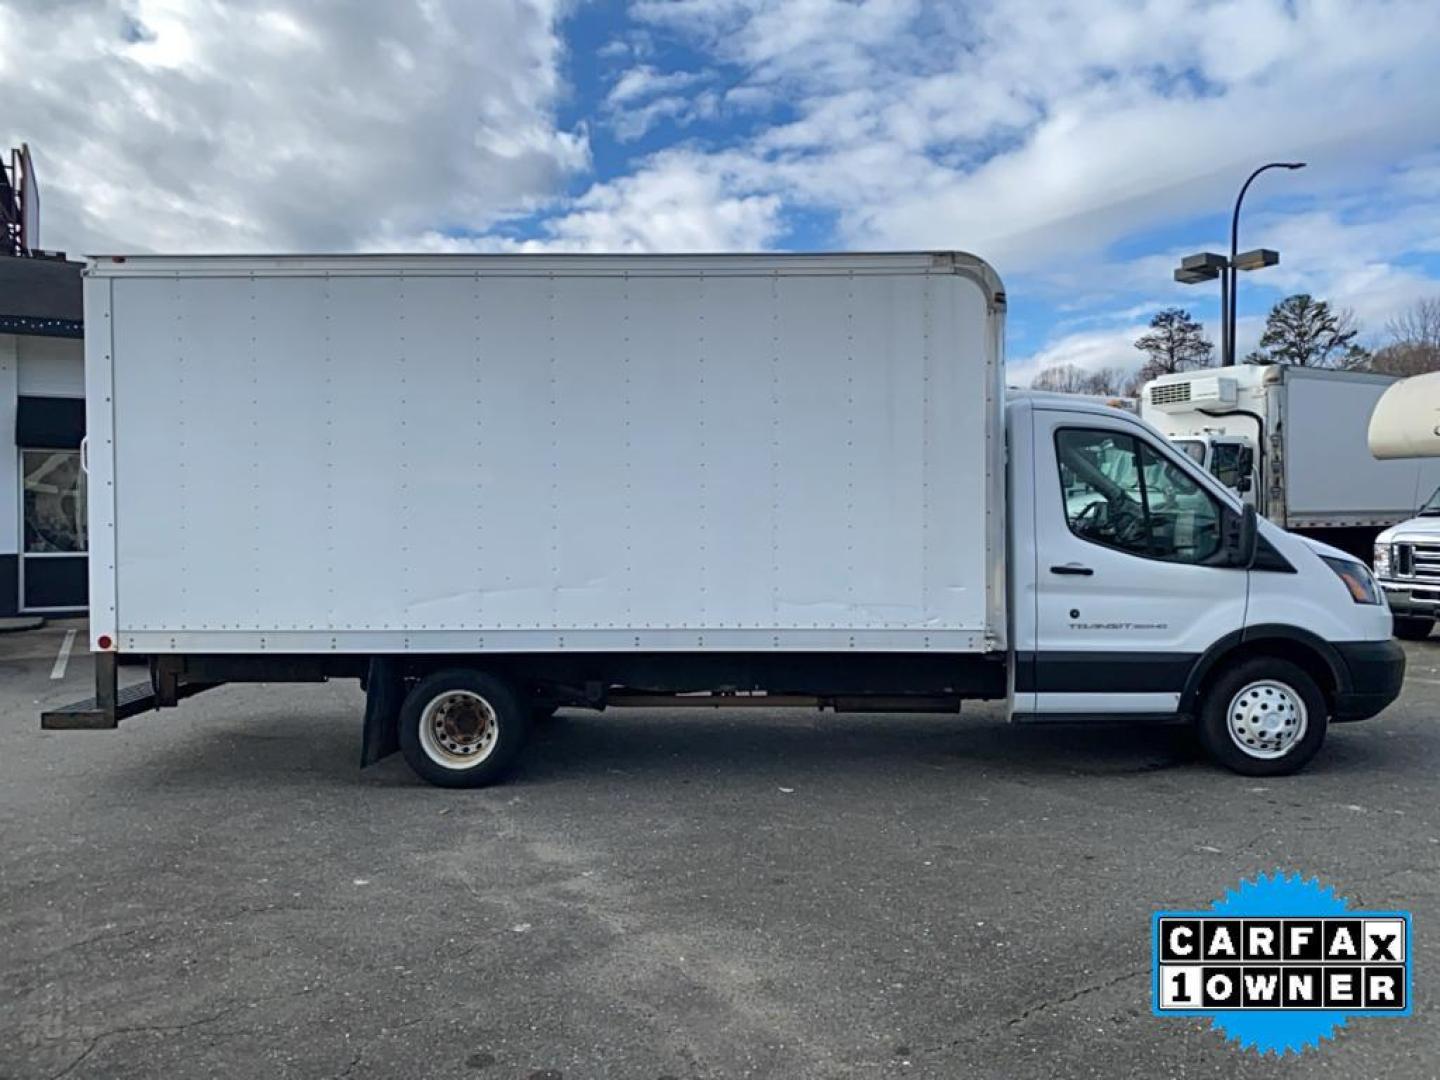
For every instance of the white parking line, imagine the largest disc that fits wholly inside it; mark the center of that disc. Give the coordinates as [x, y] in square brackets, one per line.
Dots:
[58, 671]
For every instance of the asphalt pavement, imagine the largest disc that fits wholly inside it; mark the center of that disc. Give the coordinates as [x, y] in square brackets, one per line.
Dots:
[219, 890]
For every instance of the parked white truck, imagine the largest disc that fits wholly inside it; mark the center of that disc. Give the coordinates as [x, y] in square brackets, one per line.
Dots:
[1407, 562]
[1407, 556]
[1292, 441]
[489, 486]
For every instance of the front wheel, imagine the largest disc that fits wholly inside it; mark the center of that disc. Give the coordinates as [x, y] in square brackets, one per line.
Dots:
[1410, 628]
[462, 728]
[1263, 717]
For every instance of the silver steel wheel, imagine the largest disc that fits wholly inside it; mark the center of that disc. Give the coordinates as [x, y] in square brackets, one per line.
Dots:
[1266, 719]
[459, 729]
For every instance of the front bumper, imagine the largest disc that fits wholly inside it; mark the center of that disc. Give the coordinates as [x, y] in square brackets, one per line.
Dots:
[1373, 676]
[1409, 599]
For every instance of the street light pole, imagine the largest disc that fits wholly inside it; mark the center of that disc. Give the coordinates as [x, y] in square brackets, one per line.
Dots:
[1226, 355]
[1227, 336]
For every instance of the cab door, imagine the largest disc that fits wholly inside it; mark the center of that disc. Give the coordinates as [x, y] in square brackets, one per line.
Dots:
[1132, 575]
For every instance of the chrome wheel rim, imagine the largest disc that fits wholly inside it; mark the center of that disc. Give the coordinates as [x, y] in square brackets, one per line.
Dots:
[459, 729]
[1266, 719]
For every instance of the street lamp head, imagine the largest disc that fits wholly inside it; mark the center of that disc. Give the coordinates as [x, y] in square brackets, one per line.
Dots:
[1206, 260]
[1257, 259]
[1194, 269]
[1293, 164]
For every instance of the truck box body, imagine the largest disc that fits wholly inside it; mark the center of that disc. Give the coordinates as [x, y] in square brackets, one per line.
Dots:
[390, 454]
[1315, 470]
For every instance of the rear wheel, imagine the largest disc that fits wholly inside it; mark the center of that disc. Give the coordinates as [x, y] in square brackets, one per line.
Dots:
[1263, 717]
[462, 728]
[1411, 628]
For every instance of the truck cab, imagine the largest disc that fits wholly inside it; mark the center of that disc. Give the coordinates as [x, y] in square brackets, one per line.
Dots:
[1144, 587]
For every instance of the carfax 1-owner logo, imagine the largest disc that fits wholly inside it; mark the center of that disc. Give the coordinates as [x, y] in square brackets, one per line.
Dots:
[1280, 963]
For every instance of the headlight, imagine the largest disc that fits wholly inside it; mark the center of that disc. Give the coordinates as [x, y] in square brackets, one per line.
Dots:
[1356, 578]
[1382, 560]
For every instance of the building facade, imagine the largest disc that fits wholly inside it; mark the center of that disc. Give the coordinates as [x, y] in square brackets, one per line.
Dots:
[43, 542]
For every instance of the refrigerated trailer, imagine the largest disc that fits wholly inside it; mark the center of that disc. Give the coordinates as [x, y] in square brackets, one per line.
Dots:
[493, 486]
[1293, 442]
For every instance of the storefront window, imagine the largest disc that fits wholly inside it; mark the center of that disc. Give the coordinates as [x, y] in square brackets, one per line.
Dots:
[54, 502]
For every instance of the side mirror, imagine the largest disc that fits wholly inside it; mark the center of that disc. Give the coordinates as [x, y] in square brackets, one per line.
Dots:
[1243, 485]
[1247, 538]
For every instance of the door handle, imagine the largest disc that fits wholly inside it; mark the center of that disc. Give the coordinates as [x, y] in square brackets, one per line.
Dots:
[1074, 569]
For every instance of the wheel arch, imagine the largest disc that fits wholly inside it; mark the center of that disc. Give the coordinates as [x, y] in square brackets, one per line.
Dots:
[1308, 651]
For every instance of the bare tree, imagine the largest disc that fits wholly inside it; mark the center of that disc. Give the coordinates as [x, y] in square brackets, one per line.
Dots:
[1306, 332]
[1414, 345]
[1404, 359]
[1174, 342]
[1417, 325]
[1106, 381]
[1061, 378]
[1074, 379]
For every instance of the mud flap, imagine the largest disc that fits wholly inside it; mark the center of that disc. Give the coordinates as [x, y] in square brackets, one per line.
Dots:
[384, 691]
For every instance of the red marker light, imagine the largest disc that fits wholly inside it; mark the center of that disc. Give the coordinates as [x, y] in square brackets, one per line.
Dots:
[104, 641]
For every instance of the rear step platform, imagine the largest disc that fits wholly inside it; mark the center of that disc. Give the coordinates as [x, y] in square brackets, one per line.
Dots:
[89, 715]
[111, 703]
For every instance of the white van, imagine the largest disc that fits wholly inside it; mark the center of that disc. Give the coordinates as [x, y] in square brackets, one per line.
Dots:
[492, 486]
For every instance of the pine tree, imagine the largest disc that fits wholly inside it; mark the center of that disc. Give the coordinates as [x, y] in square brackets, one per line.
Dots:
[1174, 342]
[1306, 332]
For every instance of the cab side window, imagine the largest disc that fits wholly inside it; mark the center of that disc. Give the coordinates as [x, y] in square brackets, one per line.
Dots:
[1232, 465]
[1119, 493]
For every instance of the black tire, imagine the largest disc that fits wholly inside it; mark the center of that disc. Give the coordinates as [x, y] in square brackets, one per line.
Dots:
[1413, 628]
[1213, 723]
[470, 725]
[543, 714]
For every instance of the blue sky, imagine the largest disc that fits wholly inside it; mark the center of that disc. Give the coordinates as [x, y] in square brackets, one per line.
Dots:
[1082, 146]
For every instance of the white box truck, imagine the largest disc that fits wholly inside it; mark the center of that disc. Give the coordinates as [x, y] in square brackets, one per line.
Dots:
[1292, 441]
[491, 486]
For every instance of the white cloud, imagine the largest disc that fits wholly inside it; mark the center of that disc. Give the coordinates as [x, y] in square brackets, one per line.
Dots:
[189, 125]
[645, 81]
[679, 201]
[1089, 350]
[674, 204]
[633, 123]
[643, 96]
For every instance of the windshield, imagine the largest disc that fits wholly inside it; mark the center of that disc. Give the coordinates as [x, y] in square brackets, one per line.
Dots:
[1230, 463]
[1194, 449]
[1432, 505]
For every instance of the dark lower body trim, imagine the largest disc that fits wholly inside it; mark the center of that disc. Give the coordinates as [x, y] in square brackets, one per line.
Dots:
[1091, 719]
[971, 675]
[1103, 672]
